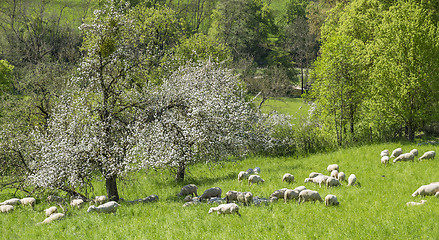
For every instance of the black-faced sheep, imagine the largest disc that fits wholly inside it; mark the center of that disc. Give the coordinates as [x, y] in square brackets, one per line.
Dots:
[254, 179]
[396, 152]
[190, 189]
[332, 167]
[109, 207]
[242, 175]
[404, 157]
[331, 200]
[211, 192]
[309, 195]
[228, 208]
[427, 190]
[6, 208]
[428, 155]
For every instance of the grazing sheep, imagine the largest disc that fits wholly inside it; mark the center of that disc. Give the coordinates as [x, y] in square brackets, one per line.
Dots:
[428, 155]
[211, 192]
[228, 208]
[53, 217]
[232, 196]
[77, 203]
[249, 171]
[352, 179]
[12, 201]
[331, 200]
[273, 199]
[51, 210]
[100, 199]
[427, 190]
[415, 152]
[416, 203]
[279, 193]
[254, 179]
[385, 160]
[28, 201]
[190, 189]
[318, 180]
[188, 198]
[245, 197]
[258, 201]
[341, 176]
[334, 174]
[154, 198]
[437, 194]
[109, 207]
[6, 208]
[291, 194]
[309, 195]
[192, 203]
[396, 152]
[332, 167]
[242, 175]
[55, 199]
[289, 178]
[314, 174]
[404, 157]
[300, 188]
[332, 182]
[257, 170]
[384, 153]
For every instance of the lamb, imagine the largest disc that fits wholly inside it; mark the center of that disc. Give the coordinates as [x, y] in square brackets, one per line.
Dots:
[332, 167]
[211, 192]
[190, 189]
[77, 203]
[28, 201]
[257, 170]
[53, 217]
[288, 178]
[385, 160]
[279, 193]
[384, 153]
[242, 175]
[352, 179]
[50, 211]
[109, 207]
[415, 152]
[396, 152]
[428, 155]
[55, 199]
[12, 201]
[6, 208]
[416, 203]
[232, 196]
[341, 176]
[318, 180]
[309, 195]
[404, 157]
[427, 190]
[100, 199]
[332, 182]
[254, 179]
[291, 194]
[331, 200]
[334, 174]
[228, 208]
[245, 197]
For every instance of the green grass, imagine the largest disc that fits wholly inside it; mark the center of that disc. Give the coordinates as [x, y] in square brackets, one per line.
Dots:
[376, 210]
[291, 106]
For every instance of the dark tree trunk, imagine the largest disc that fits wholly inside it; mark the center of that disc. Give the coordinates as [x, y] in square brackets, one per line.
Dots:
[111, 185]
[179, 177]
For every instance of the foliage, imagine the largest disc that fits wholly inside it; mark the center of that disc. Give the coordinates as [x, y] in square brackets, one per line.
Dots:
[5, 76]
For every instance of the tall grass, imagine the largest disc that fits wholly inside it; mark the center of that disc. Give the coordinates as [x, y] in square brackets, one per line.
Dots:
[376, 210]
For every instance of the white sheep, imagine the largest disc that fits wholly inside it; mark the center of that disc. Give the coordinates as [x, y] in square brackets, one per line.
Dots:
[332, 182]
[100, 199]
[245, 197]
[189, 189]
[396, 152]
[12, 201]
[416, 203]
[334, 173]
[385, 160]
[6, 208]
[254, 179]
[53, 217]
[289, 178]
[300, 188]
[51, 210]
[427, 190]
[428, 155]
[341, 176]
[321, 179]
[109, 207]
[279, 193]
[28, 201]
[211, 192]
[242, 175]
[77, 203]
[309, 195]
[332, 167]
[232, 196]
[404, 157]
[228, 208]
[257, 170]
[352, 179]
[291, 194]
[437, 194]
[415, 152]
[385, 153]
[314, 174]
[331, 200]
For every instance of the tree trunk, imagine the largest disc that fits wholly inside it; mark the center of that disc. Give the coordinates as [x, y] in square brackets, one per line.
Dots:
[111, 185]
[179, 177]
[301, 70]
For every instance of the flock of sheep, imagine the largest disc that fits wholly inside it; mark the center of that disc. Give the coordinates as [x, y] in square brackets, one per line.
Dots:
[233, 199]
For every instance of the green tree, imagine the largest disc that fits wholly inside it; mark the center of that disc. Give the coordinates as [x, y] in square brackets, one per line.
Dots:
[5, 76]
